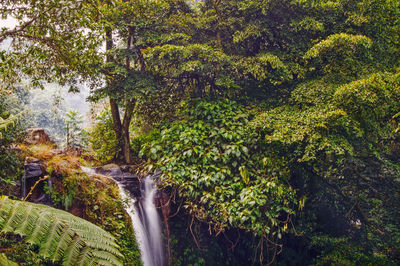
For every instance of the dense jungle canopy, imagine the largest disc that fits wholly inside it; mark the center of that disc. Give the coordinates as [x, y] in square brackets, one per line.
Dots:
[274, 123]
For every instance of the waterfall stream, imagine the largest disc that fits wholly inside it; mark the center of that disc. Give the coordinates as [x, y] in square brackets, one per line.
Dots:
[145, 219]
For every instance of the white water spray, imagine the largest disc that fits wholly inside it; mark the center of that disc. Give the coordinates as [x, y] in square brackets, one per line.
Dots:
[145, 220]
[151, 223]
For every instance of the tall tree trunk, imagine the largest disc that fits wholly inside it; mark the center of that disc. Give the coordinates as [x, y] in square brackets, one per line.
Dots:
[130, 103]
[129, 107]
[117, 125]
[121, 128]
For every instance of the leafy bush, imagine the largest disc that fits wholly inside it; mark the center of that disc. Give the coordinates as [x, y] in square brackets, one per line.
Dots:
[340, 53]
[223, 171]
[344, 157]
[76, 135]
[12, 125]
[338, 251]
[102, 137]
[372, 101]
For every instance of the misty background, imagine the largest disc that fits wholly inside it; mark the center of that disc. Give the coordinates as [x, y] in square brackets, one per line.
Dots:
[48, 107]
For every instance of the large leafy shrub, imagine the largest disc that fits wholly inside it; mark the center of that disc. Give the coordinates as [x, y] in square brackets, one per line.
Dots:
[12, 125]
[102, 137]
[340, 53]
[222, 170]
[343, 155]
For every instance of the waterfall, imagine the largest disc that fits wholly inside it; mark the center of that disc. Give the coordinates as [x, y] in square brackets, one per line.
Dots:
[151, 223]
[23, 186]
[145, 219]
[50, 185]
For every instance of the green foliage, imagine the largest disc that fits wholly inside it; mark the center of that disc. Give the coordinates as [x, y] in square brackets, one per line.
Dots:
[341, 53]
[5, 123]
[20, 251]
[223, 170]
[13, 122]
[371, 101]
[102, 137]
[195, 61]
[6, 262]
[60, 235]
[51, 44]
[339, 144]
[97, 199]
[337, 251]
[321, 74]
[265, 66]
[306, 133]
[75, 133]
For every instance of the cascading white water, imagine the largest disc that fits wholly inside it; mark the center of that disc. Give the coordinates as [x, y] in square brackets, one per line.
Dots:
[140, 232]
[151, 223]
[145, 220]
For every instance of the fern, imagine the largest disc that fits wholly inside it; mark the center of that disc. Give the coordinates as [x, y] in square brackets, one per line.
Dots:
[4, 261]
[60, 235]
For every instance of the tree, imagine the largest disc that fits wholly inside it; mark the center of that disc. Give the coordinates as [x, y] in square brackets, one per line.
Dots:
[131, 27]
[59, 42]
[74, 130]
[52, 41]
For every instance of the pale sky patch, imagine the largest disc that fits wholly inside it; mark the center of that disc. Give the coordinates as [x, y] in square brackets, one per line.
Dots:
[10, 22]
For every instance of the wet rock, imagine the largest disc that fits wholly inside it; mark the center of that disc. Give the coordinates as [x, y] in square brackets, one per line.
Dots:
[130, 182]
[33, 168]
[125, 168]
[37, 136]
[109, 169]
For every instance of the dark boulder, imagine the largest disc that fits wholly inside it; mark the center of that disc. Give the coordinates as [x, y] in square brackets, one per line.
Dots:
[34, 168]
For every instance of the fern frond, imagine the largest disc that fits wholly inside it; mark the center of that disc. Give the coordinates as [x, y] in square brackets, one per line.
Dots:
[4, 261]
[29, 223]
[40, 230]
[85, 257]
[61, 236]
[104, 256]
[65, 240]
